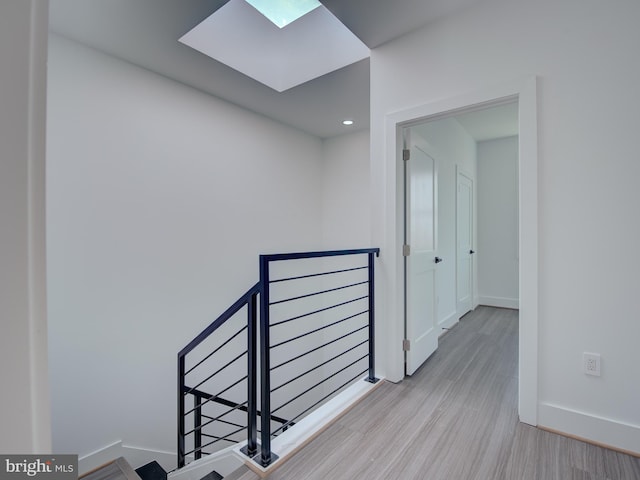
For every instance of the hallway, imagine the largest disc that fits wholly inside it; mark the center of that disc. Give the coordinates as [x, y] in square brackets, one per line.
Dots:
[456, 418]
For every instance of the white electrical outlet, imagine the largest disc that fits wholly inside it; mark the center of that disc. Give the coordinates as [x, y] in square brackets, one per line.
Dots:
[591, 363]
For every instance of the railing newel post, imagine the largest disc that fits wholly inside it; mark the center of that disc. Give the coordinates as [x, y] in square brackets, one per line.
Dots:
[265, 387]
[181, 423]
[197, 426]
[372, 324]
[252, 407]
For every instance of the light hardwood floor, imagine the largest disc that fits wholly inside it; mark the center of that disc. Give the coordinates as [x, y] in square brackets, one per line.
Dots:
[455, 419]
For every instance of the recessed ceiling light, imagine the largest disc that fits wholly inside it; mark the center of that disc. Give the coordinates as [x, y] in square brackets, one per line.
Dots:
[283, 12]
[347, 122]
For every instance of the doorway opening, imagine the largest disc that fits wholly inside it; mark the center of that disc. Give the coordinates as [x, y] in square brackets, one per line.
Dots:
[524, 93]
[446, 222]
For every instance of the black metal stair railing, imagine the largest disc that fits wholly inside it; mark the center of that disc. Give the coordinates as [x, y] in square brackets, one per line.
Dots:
[215, 362]
[316, 332]
[316, 337]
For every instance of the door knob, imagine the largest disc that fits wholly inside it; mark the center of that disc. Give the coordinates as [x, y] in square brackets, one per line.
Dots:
[471, 252]
[438, 259]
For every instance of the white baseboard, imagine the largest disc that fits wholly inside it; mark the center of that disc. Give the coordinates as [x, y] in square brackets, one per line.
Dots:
[95, 459]
[603, 431]
[500, 302]
[136, 456]
[449, 321]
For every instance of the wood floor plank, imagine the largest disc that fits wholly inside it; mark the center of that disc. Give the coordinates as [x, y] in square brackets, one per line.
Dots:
[455, 418]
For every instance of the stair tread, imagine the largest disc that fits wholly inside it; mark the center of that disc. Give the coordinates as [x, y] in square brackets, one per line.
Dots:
[152, 471]
[237, 473]
[118, 469]
[212, 476]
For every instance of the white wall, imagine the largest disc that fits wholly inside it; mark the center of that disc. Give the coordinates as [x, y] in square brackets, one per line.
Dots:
[498, 222]
[159, 200]
[587, 181]
[452, 147]
[345, 191]
[24, 396]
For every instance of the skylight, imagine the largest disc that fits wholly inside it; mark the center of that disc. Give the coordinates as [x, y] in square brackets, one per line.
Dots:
[283, 12]
[238, 35]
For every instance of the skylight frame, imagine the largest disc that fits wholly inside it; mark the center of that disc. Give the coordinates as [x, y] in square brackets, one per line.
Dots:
[281, 58]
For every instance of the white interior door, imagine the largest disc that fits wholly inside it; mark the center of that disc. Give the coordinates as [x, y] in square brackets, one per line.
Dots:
[464, 252]
[420, 258]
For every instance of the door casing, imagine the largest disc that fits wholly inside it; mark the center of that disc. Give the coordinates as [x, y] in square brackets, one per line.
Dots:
[524, 91]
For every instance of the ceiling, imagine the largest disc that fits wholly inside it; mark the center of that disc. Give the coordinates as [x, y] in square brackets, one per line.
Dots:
[146, 33]
[491, 123]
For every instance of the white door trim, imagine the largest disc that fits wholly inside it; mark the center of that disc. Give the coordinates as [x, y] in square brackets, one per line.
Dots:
[525, 91]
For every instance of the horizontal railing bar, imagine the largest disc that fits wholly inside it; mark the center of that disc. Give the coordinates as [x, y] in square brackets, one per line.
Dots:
[288, 422]
[275, 324]
[230, 312]
[227, 403]
[317, 293]
[290, 425]
[213, 420]
[318, 348]
[209, 396]
[215, 351]
[274, 418]
[222, 438]
[241, 407]
[319, 401]
[319, 383]
[318, 366]
[225, 422]
[318, 274]
[215, 441]
[218, 440]
[329, 253]
[220, 369]
[316, 330]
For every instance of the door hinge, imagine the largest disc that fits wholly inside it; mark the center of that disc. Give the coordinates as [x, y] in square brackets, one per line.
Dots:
[406, 250]
[406, 345]
[406, 154]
